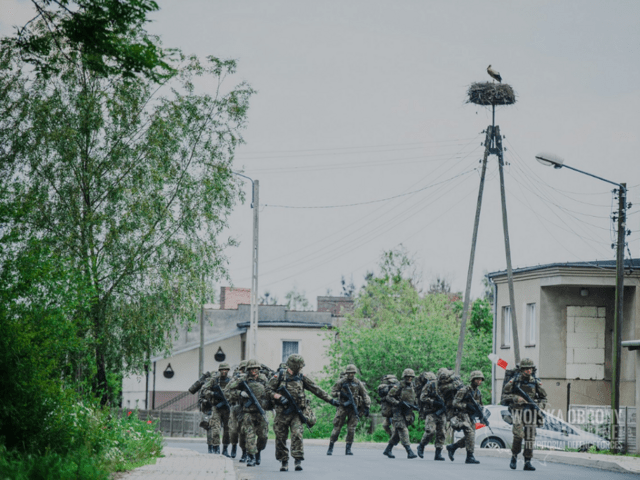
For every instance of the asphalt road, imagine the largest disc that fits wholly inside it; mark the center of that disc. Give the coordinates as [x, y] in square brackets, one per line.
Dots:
[369, 463]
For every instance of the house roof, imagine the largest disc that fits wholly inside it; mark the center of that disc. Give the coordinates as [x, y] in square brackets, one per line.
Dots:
[193, 346]
[286, 324]
[633, 263]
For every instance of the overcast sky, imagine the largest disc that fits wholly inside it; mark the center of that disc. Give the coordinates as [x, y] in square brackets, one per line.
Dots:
[364, 100]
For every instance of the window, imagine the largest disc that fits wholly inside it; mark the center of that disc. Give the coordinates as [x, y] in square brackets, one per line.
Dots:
[289, 348]
[531, 327]
[506, 327]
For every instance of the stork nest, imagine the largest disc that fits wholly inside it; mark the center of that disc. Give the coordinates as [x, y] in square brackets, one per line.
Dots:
[488, 93]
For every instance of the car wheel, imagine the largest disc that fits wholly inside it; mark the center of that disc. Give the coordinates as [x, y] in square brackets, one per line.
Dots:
[492, 442]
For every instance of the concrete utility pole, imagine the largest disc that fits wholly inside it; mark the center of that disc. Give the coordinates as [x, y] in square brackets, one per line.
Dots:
[617, 324]
[255, 204]
[201, 349]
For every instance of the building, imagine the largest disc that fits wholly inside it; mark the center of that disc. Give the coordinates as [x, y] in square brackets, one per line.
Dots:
[565, 314]
[281, 332]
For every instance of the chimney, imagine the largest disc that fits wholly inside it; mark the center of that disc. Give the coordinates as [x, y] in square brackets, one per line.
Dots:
[230, 297]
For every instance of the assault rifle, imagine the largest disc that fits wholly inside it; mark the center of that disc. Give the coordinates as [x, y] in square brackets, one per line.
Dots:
[530, 403]
[410, 406]
[476, 410]
[345, 392]
[293, 406]
[253, 400]
[218, 394]
[439, 402]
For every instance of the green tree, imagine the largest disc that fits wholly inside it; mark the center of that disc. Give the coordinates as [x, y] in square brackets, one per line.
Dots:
[132, 183]
[296, 300]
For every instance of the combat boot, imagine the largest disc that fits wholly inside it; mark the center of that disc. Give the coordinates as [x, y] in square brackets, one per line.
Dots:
[347, 450]
[387, 451]
[215, 449]
[471, 458]
[330, 449]
[210, 448]
[410, 453]
[284, 466]
[258, 458]
[420, 450]
[234, 450]
[224, 450]
[243, 458]
[438, 454]
[528, 466]
[298, 463]
[514, 462]
[451, 450]
[251, 460]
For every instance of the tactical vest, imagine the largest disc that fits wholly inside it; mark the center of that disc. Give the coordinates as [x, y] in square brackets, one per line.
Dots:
[259, 389]
[406, 394]
[294, 384]
[354, 387]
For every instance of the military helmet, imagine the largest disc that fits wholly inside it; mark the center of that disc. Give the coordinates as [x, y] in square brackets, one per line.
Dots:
[430, 376]
[476, 374]
[243, 365]
[527, 363]
[295, 362]
[252, 364]
[224, 366]
[408, 372]
[442, 370]
[351, 368]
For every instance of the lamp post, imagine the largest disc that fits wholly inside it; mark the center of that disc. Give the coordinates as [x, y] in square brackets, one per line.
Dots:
[253, 324]
[554, 161]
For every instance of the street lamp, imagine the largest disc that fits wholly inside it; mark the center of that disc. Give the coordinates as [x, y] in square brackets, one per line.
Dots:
[554, 161]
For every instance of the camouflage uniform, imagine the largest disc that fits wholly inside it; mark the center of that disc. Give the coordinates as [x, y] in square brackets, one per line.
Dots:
[363, 403]
[525, 418]
[296, 383]
[252, 424]
[434, 424]
[219, 420]
[402, 415]
[460, 419]
[388, 381]
[235, 436]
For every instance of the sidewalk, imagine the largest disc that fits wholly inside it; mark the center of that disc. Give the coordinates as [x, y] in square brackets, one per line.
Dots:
[184, 464]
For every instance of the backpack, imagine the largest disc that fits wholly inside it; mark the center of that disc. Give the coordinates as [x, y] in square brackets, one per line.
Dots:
[505, 400]
[448, 385]
[388, 382]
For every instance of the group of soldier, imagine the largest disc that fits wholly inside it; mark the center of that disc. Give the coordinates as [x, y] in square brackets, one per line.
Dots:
[236, 407]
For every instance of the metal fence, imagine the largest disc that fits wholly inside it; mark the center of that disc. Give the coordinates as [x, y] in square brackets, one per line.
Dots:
[597, 419]
[173, 423]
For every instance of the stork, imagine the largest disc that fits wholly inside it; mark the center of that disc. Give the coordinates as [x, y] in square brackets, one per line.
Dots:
[493, 74]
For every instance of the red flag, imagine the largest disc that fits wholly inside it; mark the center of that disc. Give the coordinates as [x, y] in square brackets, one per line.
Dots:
[502, 363]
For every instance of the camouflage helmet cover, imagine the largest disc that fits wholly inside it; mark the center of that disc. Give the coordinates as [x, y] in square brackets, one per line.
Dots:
[295, 362]
[526, 363]
[242, 365]
[252, 364]
[442, 370]
[408, 372]
[224, 366]
[476, 374]
[430, 376]
[351, 368]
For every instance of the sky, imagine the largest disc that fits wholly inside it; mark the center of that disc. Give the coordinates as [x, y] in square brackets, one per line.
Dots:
[364, 102]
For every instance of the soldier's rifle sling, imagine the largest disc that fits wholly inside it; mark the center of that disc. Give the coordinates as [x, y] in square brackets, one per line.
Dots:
[253, 400]
[282, 390]
[350, 401]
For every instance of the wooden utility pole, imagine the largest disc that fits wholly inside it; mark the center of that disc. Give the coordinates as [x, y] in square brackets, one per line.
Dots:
[492, 145]
[467, 294]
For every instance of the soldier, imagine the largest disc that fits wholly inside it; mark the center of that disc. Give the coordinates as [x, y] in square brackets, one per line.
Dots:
[287, 417]
[403, 401]
[254, 423]
[525, 416]
[461, 420]
[388, 382]
[362, 404]
[435, 416]
[220, 410]
[203, 405]
[234, 420]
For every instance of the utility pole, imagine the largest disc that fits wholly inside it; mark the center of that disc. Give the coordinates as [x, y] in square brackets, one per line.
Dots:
[617, 324]
[255, 204]
[201, 349]
[467, 293]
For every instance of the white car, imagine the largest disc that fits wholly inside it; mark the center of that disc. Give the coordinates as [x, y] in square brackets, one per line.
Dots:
[555, 434]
